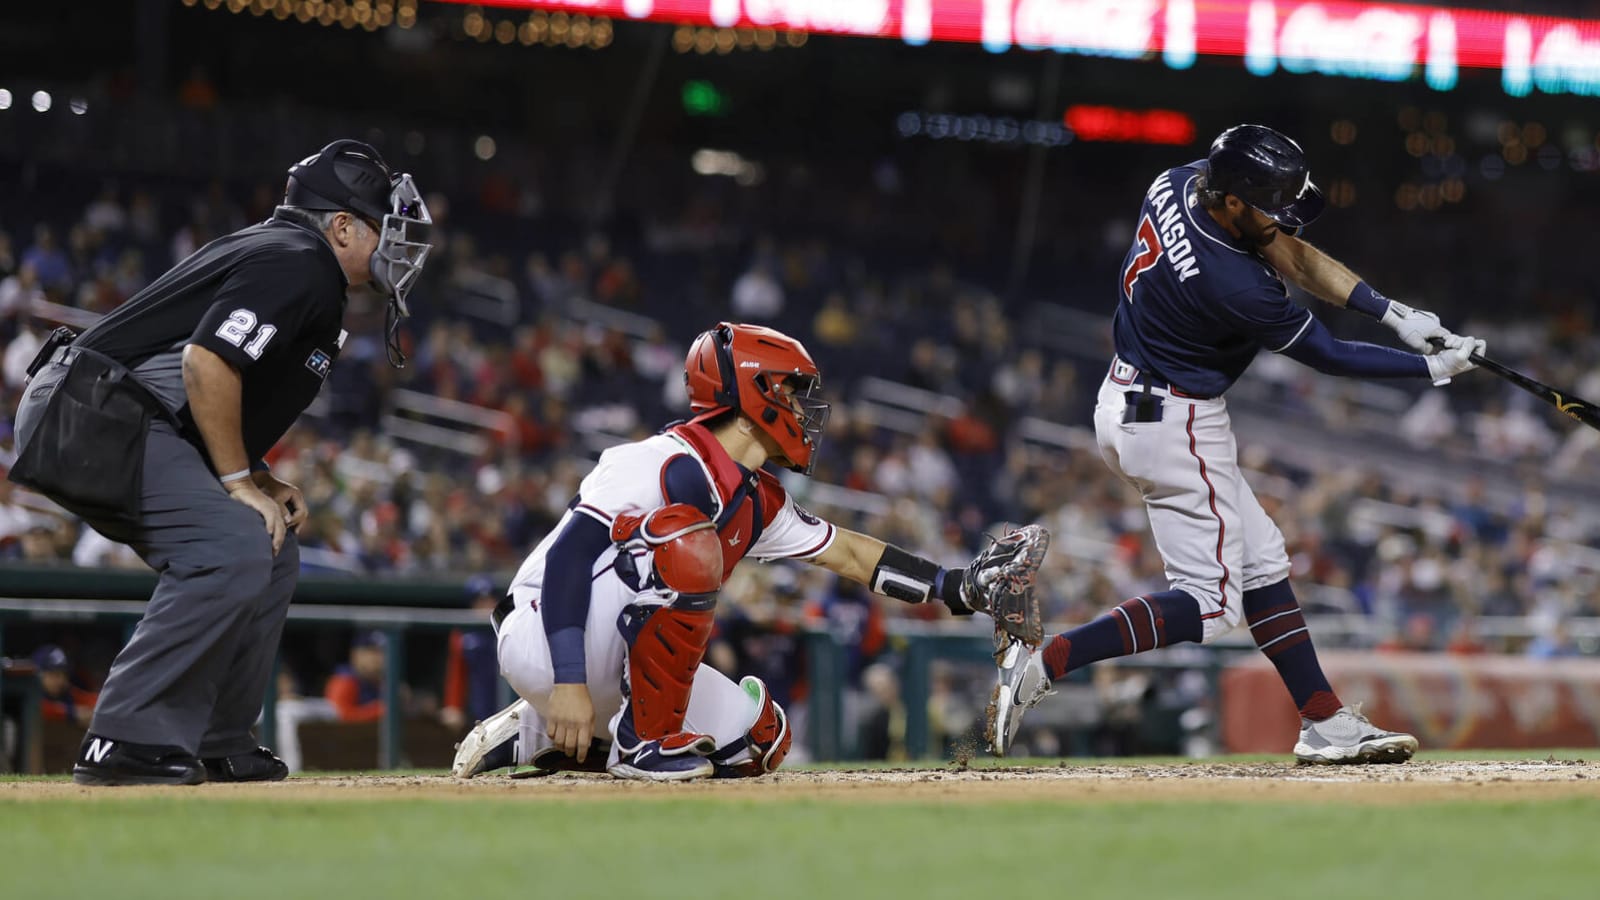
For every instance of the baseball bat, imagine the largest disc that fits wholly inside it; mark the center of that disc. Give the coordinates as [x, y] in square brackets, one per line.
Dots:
[1574, 406]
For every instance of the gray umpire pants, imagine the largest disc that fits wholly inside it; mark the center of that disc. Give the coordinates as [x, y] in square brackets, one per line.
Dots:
[197, 669]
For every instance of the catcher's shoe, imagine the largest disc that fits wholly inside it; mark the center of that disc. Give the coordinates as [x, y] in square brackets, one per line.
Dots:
[491, 744]
[676, 757]
[551, 760]
[1350, 738]
[1023, 682]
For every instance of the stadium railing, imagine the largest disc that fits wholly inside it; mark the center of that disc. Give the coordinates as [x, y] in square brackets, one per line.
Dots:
[396, 608]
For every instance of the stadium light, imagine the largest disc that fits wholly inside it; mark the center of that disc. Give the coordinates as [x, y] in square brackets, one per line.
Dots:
[41, 101]
[5, 99]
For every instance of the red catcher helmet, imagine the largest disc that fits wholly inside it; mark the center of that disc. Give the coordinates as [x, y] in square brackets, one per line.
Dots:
[742, 367]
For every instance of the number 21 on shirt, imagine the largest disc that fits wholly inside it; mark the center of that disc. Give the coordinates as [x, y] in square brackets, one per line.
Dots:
[1149, 253]
[238, 326]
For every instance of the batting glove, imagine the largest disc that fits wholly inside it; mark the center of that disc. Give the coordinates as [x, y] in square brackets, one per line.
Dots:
[1455, 358]
[1415, 326]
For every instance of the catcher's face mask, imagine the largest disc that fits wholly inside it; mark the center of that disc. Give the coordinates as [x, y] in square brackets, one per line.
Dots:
[402, 251]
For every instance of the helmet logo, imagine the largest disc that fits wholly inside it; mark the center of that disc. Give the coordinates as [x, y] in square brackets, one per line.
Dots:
[749, 364]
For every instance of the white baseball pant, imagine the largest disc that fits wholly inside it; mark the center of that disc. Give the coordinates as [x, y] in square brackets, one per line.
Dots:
[717, 706]
[1214, 538]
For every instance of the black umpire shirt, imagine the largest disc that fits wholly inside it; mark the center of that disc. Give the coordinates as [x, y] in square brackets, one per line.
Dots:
[269, 299]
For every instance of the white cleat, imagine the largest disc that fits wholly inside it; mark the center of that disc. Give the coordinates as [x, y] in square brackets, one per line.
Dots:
[1021, 685]
[1349, 738]
[472, 754]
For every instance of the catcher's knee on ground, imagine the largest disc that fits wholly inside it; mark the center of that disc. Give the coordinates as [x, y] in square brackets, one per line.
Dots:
[761, 749]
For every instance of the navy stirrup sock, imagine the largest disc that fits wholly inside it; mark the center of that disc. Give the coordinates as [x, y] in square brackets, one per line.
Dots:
[1280, 632]
[1143, 623]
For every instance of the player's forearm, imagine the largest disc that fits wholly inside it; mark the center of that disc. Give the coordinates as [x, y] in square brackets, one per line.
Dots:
[1320, 350]
[852, 555]
[214, 388]
[892, 572]
[1311, 270]
[564, 595]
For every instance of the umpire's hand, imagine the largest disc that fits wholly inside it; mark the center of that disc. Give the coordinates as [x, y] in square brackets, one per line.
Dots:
[271, 513]
[289, 498]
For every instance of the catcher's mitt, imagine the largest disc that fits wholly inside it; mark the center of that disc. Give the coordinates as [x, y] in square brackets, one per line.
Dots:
[1000, 582]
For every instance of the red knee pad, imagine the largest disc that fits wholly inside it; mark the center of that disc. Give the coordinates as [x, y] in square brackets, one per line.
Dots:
[661, 665]
[769, 738]
[688, 555]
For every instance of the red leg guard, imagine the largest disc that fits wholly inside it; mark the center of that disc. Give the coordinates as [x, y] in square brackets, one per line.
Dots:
[661, 666]
[769, 737]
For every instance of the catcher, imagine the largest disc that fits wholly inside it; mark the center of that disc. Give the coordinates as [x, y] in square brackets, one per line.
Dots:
[604, 627]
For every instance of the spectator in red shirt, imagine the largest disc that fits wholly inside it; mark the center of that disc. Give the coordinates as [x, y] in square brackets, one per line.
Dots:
[356, 688]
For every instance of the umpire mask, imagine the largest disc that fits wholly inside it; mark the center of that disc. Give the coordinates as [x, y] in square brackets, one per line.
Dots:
[402, 250]
[351, 175]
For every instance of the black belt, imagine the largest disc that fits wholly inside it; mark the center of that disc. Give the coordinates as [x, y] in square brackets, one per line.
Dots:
[501, 610]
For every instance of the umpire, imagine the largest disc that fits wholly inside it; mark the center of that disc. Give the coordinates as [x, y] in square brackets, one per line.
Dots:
[152, 425]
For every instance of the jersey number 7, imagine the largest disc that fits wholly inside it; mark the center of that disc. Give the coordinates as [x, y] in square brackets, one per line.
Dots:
[1148, 255]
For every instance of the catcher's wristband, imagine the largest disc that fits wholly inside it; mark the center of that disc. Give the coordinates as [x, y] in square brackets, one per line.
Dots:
[912, 579]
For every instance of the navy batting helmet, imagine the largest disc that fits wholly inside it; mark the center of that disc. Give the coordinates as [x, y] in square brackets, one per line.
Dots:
[1266, 170]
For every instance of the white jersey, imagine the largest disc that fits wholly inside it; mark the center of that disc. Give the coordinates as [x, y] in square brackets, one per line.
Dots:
[633, 478]
[754, 516]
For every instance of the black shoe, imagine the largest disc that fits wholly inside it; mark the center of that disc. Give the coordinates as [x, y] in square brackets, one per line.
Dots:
[259, 764]
[550, 761]
[105, 761]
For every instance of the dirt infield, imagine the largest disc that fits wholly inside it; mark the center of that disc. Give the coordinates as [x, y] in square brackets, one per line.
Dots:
[1243, 782]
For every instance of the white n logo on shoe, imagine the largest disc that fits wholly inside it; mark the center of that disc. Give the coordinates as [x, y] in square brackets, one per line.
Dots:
[99, 749]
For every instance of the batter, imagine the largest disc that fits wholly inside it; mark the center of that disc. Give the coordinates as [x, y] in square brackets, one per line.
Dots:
[1201, 293]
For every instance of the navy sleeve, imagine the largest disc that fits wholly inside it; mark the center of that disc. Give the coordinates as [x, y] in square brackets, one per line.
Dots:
[568, 577]
[1265, 313]
[683, 481]
[1320, 350]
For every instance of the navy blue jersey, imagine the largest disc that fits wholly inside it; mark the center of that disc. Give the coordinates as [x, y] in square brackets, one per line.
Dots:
[1195, 306]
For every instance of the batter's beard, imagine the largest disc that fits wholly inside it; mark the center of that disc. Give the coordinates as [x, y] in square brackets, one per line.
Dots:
[1258, 238]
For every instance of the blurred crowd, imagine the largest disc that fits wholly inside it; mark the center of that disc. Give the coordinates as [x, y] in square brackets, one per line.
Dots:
[528, 356]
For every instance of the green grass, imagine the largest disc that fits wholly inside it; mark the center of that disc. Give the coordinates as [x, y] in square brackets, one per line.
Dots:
[720, 844]
[707, 847]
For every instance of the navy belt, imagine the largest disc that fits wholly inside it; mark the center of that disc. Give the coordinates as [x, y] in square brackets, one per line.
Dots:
[1128, 375]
